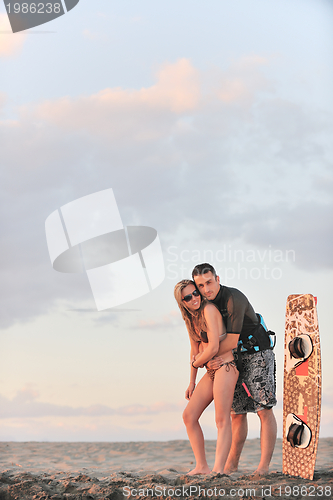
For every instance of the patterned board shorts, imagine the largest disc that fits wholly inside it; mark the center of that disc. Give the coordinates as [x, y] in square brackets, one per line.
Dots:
[259, 375]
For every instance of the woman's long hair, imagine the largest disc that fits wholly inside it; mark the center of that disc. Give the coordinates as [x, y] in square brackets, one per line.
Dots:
[193, 319]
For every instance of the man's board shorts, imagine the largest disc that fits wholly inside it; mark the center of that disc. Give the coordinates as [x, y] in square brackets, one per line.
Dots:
[259, 375]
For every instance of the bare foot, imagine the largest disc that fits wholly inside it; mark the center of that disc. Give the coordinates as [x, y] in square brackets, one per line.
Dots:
[215, 473]
[230, 466]
[259, 473]
[199, 470]
[230, 471]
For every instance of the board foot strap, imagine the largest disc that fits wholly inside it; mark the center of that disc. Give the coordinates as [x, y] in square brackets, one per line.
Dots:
[298, 434]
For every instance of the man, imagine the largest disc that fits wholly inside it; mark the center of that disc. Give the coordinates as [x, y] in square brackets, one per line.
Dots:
[256, 363]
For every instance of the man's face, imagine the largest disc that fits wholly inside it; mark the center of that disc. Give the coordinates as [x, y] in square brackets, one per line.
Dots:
[207, 285]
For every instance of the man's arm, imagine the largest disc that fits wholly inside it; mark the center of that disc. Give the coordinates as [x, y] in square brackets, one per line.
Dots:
[229, 343]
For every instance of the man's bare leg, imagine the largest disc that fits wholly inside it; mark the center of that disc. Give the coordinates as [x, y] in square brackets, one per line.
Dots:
[267, 439]
[239, 433]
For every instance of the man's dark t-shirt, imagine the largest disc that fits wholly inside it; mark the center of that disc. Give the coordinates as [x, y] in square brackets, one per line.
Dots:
[238, 314]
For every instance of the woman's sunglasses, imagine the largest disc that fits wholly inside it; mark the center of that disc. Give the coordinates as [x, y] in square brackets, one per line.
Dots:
[188, 297]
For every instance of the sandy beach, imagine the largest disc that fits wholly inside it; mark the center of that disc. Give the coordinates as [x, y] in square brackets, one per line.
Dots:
[83, 471]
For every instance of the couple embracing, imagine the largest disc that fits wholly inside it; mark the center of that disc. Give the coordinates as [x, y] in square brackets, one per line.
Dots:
[232, 342]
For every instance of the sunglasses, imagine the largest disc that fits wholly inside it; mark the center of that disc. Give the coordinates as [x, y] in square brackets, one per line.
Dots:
[188, 297]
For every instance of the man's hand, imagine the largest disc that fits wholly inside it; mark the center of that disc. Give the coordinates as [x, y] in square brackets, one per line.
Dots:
[215, 363]
[189, 391]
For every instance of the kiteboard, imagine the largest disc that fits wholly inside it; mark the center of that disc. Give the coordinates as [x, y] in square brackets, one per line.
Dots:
[301, 387]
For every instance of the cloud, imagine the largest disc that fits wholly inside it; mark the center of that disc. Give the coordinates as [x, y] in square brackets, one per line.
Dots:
[94, 429]
[93, 36]
[170, 321]
[118, 114]
[10, 43]
[24, 417]
[26, 405]
[241, 83]
[306, 229]
[206, 155]
[3, 98]
[327, 397]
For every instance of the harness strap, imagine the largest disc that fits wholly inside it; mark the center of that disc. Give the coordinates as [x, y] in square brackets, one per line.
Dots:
[267, 407]
[258, 340]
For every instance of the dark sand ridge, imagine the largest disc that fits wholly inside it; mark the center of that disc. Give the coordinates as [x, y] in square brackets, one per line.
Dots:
[82, 471]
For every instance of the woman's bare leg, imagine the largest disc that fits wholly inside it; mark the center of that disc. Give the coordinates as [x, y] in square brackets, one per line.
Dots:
[224, 387]
[201, 398]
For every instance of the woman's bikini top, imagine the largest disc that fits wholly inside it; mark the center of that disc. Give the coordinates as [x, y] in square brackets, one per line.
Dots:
[204, 338]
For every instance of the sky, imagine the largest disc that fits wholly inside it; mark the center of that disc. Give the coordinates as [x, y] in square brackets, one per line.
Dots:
[212, 123]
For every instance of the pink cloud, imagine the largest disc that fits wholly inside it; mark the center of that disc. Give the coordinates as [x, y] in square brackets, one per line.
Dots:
[113, 111]
[171, 320]
[159, 112]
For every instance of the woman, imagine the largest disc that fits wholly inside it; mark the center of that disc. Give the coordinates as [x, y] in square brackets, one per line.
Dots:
[207, 332]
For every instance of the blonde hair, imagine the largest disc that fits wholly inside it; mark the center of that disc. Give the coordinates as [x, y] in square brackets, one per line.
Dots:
[194, 320]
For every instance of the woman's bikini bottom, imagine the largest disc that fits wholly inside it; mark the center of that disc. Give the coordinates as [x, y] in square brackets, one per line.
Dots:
[228, 364]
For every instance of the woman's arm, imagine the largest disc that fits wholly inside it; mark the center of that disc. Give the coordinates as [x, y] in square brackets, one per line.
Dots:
[214, 329]
[193, 354]
[193, 371]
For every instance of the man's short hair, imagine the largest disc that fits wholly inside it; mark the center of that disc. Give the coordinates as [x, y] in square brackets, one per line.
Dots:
[203, 269]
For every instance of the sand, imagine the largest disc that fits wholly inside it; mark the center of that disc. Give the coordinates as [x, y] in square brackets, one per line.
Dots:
[83, 471]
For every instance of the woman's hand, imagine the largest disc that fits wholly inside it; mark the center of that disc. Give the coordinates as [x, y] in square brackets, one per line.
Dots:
[189, 391]
[194, 357]
[215, 363]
